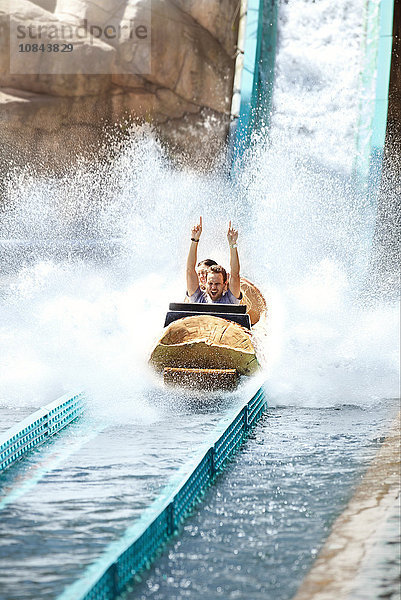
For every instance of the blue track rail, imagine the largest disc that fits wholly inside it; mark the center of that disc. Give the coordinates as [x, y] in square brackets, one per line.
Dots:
[39, 427]
[124, 560]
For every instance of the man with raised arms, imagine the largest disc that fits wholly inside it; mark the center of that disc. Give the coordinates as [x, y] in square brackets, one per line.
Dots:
[217, 291]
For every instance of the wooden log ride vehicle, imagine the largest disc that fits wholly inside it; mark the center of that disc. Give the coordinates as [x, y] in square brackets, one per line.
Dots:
[209, 346]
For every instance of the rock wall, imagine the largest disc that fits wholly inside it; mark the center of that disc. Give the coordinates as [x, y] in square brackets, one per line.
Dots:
[49, 115]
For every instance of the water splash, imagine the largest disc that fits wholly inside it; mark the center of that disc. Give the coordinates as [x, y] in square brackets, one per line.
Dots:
[88, 315]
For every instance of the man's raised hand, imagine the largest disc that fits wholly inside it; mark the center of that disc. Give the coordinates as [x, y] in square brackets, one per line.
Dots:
[196, 230]
[232, 234]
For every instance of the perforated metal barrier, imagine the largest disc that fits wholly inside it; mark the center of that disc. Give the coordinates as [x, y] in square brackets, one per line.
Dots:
[38, 427]
[123, 560]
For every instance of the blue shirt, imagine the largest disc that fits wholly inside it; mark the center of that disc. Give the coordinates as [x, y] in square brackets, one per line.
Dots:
[202, 297]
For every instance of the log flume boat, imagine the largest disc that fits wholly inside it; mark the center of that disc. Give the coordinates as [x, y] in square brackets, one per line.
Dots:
[210, 346]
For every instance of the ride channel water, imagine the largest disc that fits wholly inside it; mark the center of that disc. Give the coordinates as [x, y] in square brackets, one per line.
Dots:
[61, 507]
[260, 530]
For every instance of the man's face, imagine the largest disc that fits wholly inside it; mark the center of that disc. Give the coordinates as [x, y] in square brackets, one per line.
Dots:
[215, 285]
[201, 271]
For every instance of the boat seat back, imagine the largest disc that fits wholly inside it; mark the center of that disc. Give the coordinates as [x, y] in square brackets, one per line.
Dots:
[200, 307]
[241, 319]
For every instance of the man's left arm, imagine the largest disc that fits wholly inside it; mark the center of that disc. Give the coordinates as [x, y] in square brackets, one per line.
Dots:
[235, 283]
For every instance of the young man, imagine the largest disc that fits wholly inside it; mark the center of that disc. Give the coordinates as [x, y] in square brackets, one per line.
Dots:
[202, 269]
[216, 283]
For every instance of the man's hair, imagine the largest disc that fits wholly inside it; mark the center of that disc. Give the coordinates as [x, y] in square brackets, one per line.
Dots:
[208, 262]
[218, 269]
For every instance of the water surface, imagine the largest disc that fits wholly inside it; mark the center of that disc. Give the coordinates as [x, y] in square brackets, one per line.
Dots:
[261, 527]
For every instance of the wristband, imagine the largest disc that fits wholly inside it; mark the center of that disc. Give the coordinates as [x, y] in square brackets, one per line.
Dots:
[194, 240]
[233, 245]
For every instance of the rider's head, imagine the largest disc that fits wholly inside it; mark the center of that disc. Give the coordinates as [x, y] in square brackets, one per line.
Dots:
[216, 282]
[202, 270]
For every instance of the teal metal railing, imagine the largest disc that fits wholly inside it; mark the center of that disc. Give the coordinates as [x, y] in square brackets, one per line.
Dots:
[373, 94]
[257, 74]
[124, 560]
[16, 442]
[263, 83]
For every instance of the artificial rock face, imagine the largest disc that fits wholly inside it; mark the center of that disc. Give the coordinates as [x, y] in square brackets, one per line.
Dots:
[176, 73]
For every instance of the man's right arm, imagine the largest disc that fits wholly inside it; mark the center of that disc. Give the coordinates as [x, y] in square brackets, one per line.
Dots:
[235, 282]
[192, 277]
